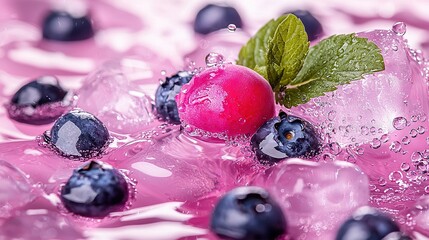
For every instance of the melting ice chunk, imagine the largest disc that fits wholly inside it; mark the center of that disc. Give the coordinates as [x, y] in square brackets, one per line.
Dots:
[316, 197]
[113, 98]
[15, 190]
[365, 109]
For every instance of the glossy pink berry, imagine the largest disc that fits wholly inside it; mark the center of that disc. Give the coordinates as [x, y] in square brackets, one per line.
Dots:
[229, 99]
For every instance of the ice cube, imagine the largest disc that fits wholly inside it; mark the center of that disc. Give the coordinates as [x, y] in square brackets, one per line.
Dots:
[117, 101]
[365, 109]
[316, 197]
[15, 189]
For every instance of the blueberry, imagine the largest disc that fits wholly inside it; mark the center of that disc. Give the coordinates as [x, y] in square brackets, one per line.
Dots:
[165, 102]
[95, 190]
[248, 213]
[215, 17]
[38, 102]
[79, 134]
[285, 136]
[312, 25]
[368, 224]
[63, 26]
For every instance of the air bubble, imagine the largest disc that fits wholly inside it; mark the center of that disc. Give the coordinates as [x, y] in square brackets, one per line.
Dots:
[400, 123]
[214, 59]
[399, 28]
[232, 27]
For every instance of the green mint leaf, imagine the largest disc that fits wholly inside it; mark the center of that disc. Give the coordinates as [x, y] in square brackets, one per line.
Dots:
[334, 61]
[286, 52]
[254, 54]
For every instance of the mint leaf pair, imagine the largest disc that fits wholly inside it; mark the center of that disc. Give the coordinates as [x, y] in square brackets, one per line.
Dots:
[280, 52]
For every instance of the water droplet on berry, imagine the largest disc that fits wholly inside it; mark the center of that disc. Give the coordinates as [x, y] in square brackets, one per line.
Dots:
[400, 123]
[214, 59]
[400, 28]
[232, 27]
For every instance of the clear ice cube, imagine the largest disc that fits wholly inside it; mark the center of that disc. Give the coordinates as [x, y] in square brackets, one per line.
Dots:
[365, 109]
[15, 189]
[316, 197]
[112, 96]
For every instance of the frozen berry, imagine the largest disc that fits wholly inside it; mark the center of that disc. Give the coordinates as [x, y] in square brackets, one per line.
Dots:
[215, 17]
[368, 224]
[165, 96]
[79, 134]
[38, 102]
[63, 26]
[248, 213]
[95, 190]
[228, 99]
[312, 25]
[285, 136]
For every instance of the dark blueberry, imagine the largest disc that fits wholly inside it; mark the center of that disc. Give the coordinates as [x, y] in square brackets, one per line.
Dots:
[62, 26]
[165, 102]
[285, 136]
[312, 25]
[215, 17]
[95, 190]
[79, 134]
[248, 213]
[368, 224]
[34, 102]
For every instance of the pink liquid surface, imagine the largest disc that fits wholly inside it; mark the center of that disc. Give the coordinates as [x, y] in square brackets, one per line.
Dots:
[378, 125]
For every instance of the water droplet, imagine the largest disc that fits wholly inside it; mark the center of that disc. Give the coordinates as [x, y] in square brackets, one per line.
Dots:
[375, 143]
[427, 189]
[382, 181]
[399, 28]
[232, 27]
[406, 140]
[416, 157]
[163, 72]
[335, 148]
[400, 123]
[421, 129]
[395, 48]
[413, 133]
[384, 138]
[214, 59]
[395, 176]
[331, 115]
[405, 167]
[395, 146]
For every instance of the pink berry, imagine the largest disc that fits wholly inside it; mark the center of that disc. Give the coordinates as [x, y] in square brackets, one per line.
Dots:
[230, 99]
